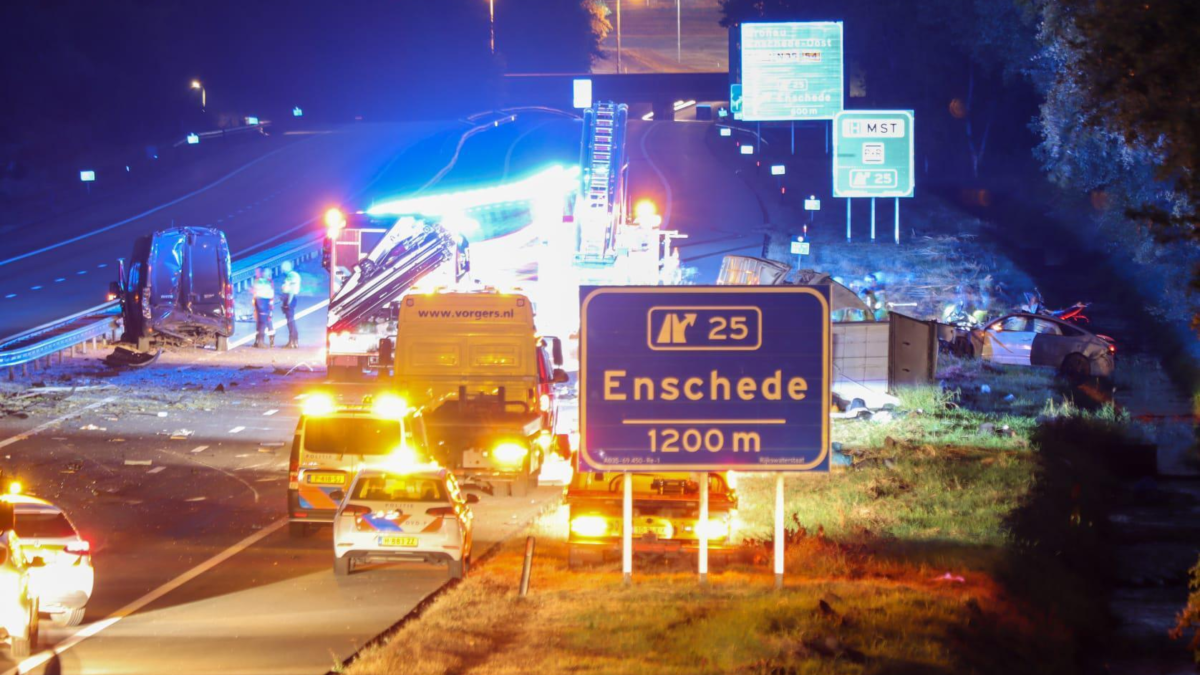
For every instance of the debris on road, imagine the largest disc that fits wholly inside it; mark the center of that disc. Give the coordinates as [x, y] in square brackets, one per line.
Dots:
[138, 462]
[92, 427]
[181, 434]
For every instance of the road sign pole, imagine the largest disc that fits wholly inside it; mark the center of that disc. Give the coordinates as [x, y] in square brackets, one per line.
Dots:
[847, 219]
[827, 136]
[872, 219]
[897, 213]
[793, 124]
[778, 530]
[702, 529]
[627, 530]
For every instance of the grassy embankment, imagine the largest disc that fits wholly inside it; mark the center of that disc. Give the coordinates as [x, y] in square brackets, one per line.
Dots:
[946, 549]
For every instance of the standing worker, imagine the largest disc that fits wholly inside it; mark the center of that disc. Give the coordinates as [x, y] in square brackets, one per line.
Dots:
[291, 292]
[264, 297]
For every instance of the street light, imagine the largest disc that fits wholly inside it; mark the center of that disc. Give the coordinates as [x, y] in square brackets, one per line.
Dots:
[492, 23]
[203, 94]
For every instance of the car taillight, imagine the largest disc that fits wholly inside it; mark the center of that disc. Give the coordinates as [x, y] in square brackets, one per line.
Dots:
[441, 511]
[81, 547]
[294, 474]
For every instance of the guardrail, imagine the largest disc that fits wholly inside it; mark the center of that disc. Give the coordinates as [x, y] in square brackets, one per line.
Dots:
[100, 325]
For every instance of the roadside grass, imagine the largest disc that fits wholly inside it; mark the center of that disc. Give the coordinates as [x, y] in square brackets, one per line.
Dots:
[946, 548]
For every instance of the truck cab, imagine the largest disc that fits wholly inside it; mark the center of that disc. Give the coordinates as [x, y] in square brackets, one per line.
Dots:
[486, 379]
[666, 515]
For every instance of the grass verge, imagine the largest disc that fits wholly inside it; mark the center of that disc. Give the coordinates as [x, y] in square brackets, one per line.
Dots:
[951, 545]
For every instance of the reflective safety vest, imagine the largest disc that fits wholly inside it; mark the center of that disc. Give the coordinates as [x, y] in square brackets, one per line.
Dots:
[264, 289]
[291, 283]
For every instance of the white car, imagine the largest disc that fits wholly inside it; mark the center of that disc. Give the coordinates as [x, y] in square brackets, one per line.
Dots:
[64, 581]
[392, 515]
[18, 601]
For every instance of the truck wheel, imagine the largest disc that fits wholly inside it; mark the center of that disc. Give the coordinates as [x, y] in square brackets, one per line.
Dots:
[71, 617]
[519, 487]
[343, 566]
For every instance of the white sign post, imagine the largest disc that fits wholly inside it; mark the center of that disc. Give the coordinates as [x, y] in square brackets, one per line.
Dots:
[779, 531]
[702, 529]
[627, 530]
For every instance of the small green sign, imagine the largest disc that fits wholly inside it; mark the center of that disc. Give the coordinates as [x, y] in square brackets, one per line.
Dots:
[735, 101]
[873, 153]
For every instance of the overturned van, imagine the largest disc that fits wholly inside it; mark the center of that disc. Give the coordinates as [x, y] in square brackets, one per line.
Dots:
[176, 289]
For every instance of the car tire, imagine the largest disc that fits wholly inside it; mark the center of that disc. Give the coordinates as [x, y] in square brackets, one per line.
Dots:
[1075, 367]
[343, 566]
[458, 568]
[71, 617]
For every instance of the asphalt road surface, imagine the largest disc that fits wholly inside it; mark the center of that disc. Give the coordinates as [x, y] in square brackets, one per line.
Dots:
[195, 572]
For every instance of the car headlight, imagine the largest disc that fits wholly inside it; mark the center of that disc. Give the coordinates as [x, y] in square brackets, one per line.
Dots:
[590, 526]
[510, 453]
[716, 529]
[389, 406]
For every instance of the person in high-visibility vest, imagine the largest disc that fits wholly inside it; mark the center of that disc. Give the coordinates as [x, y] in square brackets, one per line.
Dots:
[291, 292]
[264, 297]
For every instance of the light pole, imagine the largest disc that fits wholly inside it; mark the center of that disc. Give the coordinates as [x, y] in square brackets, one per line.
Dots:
[618, 37]
[678, 32]
[492, 24]
[203, 94]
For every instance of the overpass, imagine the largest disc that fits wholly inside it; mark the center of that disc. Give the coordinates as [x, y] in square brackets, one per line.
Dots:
[660, 90]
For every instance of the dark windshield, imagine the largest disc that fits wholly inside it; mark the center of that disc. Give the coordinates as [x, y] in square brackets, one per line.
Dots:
[348, 435]
[38, 525]
[400, 489]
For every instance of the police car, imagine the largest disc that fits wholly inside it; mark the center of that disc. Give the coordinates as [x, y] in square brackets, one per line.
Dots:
[396, 514]
[64, 580]
[333, 442]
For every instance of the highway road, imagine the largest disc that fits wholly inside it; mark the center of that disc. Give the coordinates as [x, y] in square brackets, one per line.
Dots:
[195, 573]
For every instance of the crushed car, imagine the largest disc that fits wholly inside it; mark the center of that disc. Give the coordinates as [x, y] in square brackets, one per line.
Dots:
[1027, 339]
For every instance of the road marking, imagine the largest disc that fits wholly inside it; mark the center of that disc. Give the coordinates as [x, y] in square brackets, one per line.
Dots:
[60, 280]
[35, 288]
[237, 430]
[156, 469]
[10, 296]
[81, 272]
[91, 630]
[56, 421]
[214, 468]
[102, 265]
[200, 448]
[270, 412]
[143, 214]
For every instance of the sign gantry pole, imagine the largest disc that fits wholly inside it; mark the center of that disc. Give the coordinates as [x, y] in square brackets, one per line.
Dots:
[702, 529]
[847, 219]
[897, 212]
[627, 530]
[872, 219]
[779, 534]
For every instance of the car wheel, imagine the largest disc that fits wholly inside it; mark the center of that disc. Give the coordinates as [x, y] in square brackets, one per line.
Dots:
[71, 617]
[1076, 367]
[343, 566]
[458, 568]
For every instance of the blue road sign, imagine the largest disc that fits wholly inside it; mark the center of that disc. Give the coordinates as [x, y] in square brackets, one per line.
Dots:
[705, 378]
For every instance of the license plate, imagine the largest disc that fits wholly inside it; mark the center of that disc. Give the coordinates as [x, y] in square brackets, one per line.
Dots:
[398, 541]
[326, 479]
[659, 531]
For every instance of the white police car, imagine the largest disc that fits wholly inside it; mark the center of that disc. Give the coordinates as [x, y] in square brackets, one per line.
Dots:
[64, 579]
[399, 514]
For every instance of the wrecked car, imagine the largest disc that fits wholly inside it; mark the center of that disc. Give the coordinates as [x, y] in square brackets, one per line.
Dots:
[176, 289]
[1025, 339]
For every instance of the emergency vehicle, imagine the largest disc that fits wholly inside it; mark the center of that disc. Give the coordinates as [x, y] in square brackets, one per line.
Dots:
[19, 618]
[334, 442]
[666, 515]
[475, 363]
[65, 580]
[372, 261]
[404, 513]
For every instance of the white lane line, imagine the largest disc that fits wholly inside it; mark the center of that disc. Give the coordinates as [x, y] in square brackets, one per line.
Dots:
[102, 265]
[237, 430]
[270, 412]
[81, 272]
[10, 296]
[214, 468]
[38, 660]
[54, 422]
[278, 324]
[60, 280]
[156, 469]
[143, 214]
[199, 448]
[35, 288]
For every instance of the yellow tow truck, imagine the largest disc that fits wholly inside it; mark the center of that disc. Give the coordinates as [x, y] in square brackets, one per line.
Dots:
[666, 515]
[474, 361]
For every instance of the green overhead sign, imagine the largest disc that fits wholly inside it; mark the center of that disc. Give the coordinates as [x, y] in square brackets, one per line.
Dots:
[873, 153]
[792, 71]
